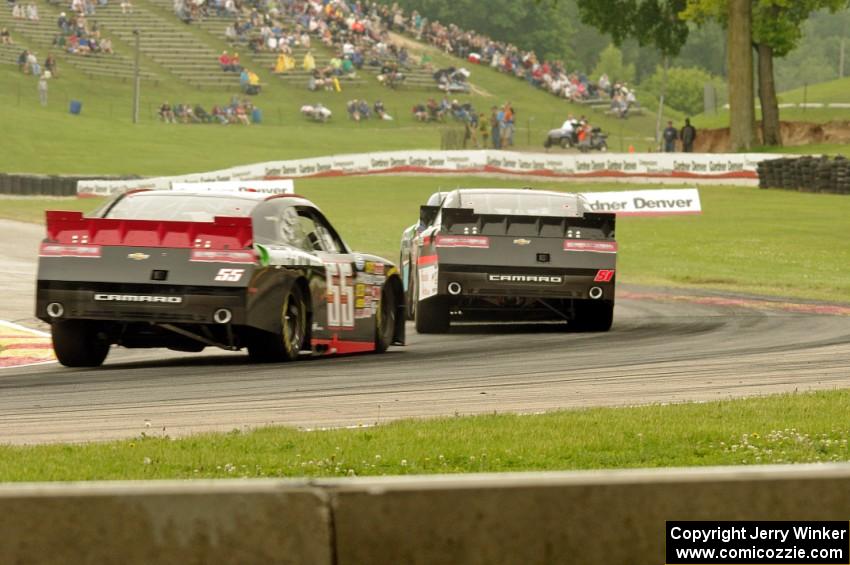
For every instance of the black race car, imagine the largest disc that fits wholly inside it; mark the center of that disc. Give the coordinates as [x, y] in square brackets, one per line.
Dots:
[187, 270]
[509, 254]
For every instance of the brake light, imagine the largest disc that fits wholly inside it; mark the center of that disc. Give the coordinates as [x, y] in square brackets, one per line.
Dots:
[604, 275]
[221, 256]
[479, 241]
[591, 246]
[59, 250]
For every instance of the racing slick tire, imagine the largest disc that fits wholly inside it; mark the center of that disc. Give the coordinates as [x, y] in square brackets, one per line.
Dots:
[432, 315]
[412, 292]
[78, 343]
[385, 320]
[268, 347]
[592, 316]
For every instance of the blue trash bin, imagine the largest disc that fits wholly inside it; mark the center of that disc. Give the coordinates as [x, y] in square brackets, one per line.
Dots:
[76, 106]
[257, 116]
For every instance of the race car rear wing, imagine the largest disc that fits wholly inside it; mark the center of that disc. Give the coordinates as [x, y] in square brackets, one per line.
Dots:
[223, 233]
[464, 221]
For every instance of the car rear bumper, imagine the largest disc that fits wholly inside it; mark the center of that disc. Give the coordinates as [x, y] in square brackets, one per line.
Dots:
[463, 283]
[140, 303]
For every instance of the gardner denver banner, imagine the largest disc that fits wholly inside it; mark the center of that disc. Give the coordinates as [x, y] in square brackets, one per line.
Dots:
[697, 166]
[646, 202]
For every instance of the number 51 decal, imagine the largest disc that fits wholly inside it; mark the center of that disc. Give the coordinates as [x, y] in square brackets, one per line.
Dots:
[340, 283]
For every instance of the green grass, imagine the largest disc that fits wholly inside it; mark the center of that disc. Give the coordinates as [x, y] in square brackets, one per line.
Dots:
[796, 428]
[757, 241]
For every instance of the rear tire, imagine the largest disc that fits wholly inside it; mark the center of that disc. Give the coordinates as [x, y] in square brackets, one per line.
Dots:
[385, 320]
[77, 343]
[565, 143]
[412, 294]
[432, 315]
[268, 347]
[592, 316]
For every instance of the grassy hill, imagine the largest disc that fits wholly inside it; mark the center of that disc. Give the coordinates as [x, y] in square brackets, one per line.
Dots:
[834, 91]
[101, 140]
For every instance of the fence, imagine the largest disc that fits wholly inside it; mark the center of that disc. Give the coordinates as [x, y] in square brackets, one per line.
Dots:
[806, 174]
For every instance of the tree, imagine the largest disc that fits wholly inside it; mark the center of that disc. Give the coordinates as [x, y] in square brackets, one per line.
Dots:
[611, 64]
[742, 112]
[776, 30]
[685, 87]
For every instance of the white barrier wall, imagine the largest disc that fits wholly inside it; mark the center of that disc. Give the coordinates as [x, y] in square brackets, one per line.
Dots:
[704, 166]
[592, 517]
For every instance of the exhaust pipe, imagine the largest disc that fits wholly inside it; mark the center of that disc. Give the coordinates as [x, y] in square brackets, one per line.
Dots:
[454, 288]
[55, 310]
[595, 293]
[222, 316]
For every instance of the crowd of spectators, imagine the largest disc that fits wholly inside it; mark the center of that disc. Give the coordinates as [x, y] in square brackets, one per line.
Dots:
[317, 112]
[28, 64]
[238, 112]
[25, 12]
[552, 76]
[359, 110]
[433, 111]
[77, 37]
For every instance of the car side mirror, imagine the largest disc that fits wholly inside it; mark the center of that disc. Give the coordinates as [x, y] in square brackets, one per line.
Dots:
[427, 214]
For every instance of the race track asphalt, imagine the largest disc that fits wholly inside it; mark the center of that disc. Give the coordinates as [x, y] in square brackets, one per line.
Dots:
[666, 346]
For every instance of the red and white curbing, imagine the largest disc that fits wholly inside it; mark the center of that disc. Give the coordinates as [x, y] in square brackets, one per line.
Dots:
[21, 346]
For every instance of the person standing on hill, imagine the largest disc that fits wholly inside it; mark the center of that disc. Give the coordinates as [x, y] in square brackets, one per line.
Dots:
[495, 128]
[689, 135]
[42, 87]
[670, 136]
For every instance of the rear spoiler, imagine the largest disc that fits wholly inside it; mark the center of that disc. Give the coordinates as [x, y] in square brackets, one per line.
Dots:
[224, 232]
[466, 217]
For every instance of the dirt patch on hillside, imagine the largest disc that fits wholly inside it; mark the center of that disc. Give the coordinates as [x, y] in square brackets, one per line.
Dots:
[793, 133]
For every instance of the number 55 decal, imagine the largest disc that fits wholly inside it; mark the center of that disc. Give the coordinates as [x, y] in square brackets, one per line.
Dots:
[229, 275]
[340, 283]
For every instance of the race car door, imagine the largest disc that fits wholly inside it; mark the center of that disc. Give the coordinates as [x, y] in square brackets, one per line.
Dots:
[342, 321]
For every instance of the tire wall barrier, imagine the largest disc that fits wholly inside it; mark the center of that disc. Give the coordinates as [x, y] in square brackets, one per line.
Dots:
[806, 174]
[41, 185]
[554, 518]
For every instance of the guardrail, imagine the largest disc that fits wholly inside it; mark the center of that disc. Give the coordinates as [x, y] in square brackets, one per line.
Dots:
[806, 174]
[580, 517]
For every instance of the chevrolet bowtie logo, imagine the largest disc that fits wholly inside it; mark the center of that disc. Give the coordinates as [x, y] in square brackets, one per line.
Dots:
[522, 241]
[138, 256]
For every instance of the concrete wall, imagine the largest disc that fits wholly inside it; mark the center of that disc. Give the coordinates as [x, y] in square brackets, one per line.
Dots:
[587, 518]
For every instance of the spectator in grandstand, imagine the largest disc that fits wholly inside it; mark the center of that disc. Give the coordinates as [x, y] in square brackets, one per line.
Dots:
[670, 135]
[219, 114]
[18, 12]
[689, 135]
[105, 46]
[380, 111]
[50, 65]
[32, 13]
[201, 114]
[5, 37]
[242, 114]
[225, 62]
[309, 61]
[166, 114]
[33, 67]
[22, 61]
[126, 7]
[63, 23]
[420, 113]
